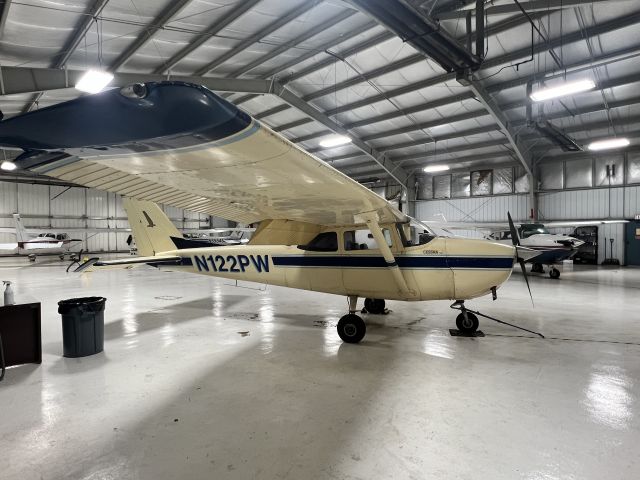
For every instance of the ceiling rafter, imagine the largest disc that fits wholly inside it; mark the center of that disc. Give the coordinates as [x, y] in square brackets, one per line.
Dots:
[288, 17]
[240, 9]
[368, 76]
[171, 10]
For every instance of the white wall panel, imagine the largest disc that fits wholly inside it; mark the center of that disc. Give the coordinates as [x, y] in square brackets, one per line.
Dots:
[59, 208]
[482, 209]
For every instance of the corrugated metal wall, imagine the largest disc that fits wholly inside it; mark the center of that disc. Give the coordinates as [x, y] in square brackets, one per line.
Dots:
[616, 202]
[61, 207]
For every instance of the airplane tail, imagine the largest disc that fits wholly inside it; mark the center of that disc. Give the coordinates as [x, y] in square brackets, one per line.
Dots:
[21, 232]
[151, 228]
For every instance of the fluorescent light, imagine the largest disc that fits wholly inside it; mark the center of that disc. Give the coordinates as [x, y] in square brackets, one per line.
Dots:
[335, 141]
[568, 88]
[609, 143]
[8, 166]
[93, 81]
[436, 168]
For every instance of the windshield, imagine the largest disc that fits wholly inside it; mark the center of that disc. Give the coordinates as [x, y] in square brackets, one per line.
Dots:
[533, 229]
[415, 233]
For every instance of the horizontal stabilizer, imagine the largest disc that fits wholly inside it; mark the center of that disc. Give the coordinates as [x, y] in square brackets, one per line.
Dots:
[154, 261]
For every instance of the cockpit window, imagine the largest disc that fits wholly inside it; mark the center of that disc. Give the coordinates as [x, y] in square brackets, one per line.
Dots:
[532, 229]
[324, 242]
[415, 233]
[50, 235]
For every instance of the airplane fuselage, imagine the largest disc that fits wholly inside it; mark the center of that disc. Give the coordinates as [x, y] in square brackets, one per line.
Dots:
[553, 248]
[445, 268]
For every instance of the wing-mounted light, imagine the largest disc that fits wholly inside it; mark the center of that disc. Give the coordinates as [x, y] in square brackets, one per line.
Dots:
[135, 91]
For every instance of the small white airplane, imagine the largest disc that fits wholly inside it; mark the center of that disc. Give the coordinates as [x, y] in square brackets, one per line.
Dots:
[44, 243]
[553, 248]
[180, 144]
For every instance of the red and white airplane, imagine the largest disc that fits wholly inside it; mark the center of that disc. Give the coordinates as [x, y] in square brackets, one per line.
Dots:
[43, 243]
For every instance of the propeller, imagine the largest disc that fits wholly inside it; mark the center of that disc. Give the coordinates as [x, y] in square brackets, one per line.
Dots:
[520, 250]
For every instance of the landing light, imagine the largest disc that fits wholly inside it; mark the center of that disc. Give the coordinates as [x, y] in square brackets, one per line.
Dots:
[8, 166]
[436, 168]
[568, 88]
[335, 141]
[93, 81]
[609, 144]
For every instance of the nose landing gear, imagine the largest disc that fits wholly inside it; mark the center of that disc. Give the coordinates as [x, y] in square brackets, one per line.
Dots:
[467, 321]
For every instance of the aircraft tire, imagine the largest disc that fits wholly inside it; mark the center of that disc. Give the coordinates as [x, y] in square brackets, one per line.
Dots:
[374, 305]
[537, 268]
[554, 273]
[351, 328]
[467, 325]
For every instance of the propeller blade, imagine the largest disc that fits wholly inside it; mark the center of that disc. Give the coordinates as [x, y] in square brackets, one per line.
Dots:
[514, 233]
[526, 279]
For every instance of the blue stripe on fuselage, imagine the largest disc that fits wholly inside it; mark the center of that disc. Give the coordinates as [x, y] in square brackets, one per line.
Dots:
[403, 262]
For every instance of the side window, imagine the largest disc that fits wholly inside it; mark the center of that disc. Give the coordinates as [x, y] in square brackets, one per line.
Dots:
[414, 234]
[363, 239]
[324, 242]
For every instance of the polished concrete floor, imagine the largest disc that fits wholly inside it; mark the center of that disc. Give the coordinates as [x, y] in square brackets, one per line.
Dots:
[203, 379]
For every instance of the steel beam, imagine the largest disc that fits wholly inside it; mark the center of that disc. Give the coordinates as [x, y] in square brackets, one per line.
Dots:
[159, 22]
[532, 6]
[79, 33]
[5, 5]
[260, 34]
[303, 37]
[33, 80]
[240, 9]
[395, 172]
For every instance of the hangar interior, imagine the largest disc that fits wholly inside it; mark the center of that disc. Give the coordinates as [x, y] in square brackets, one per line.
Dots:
[210, 377]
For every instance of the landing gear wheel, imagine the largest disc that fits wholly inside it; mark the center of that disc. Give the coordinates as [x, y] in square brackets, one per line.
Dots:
[374, 305]
[537, 268]
[467, 325]
[554, 273]
[351, 328]
[61, 257]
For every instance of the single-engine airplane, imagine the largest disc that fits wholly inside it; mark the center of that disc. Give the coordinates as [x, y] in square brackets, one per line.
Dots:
[43, 243]
[553, 248]
[180, 144]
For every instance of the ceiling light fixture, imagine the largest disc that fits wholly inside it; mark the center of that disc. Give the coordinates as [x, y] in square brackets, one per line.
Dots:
[8, 166]
[436, 168]
[609, 144]
[94, 81]
[562, 90]
[335, 141]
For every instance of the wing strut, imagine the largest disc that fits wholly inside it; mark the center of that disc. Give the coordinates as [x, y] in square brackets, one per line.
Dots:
[392, 265]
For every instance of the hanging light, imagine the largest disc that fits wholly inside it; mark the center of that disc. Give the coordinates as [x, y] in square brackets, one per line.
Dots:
[94, 81]
[335, 141]
[8, 166]
[609, 144]
[436, 168]
[568, 88]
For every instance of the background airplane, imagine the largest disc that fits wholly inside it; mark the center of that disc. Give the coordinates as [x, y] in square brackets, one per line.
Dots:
[553, 248]
[44, 243]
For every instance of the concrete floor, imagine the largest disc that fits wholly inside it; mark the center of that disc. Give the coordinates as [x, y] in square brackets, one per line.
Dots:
[201, 379]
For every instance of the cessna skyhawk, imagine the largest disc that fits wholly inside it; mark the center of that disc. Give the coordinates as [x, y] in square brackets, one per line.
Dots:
[182, 145]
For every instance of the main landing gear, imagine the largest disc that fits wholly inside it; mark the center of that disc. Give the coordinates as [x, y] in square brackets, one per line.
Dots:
[351, 328]
[553, 271]
[374, 305]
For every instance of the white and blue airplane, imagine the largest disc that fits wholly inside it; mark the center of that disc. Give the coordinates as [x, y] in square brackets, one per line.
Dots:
[182, 145]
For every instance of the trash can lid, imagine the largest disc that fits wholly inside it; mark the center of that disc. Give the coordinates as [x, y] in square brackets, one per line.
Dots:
[82, 301]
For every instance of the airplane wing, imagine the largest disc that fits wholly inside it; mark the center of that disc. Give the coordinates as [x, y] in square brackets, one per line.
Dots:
[182, 145]
[504, 227]
[582, 223]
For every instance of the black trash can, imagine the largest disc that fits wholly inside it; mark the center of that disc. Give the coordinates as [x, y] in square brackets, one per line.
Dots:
[82, 326]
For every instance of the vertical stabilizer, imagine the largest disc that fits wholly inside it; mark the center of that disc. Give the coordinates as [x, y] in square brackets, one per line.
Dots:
[21, 232]
[151, 228]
